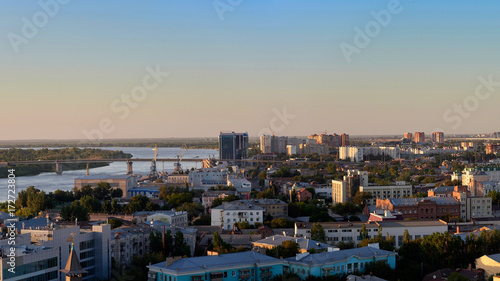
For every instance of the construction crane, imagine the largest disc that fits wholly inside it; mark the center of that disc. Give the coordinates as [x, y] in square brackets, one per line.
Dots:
[177, 165]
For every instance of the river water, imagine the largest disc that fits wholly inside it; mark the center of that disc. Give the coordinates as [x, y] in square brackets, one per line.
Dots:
[51, 181]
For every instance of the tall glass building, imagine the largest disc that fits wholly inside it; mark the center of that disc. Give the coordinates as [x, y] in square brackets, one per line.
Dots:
[233, 146]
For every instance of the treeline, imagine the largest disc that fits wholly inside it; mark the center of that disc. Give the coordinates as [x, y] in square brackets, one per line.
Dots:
[209, 143]
[17, 154]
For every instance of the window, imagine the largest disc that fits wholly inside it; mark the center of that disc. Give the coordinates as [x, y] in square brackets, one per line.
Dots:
[233, 273]
[225, 274]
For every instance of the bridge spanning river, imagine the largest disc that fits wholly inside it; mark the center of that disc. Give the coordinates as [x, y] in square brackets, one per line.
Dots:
[60, 162]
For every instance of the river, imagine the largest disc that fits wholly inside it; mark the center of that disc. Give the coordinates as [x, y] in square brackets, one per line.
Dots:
[50, 182]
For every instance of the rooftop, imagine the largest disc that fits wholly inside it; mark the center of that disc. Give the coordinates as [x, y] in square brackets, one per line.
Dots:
[342, 255]
[304, 243]
[187, 265]
[103, 177]
[238, 205]
[414, 201]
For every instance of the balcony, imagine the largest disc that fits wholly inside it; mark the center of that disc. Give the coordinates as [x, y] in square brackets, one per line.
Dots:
[266, 274]
[244, 274]
[216, 276]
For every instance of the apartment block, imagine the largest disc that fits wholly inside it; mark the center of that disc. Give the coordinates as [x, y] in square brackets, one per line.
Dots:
[228, 267]
[350, 231]
[384, 192]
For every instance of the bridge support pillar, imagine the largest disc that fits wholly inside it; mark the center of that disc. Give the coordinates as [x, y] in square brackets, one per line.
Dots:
[129, 168]
[59, 169]
[87, 172]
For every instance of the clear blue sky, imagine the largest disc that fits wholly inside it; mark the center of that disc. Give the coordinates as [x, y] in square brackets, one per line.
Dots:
[230, 74]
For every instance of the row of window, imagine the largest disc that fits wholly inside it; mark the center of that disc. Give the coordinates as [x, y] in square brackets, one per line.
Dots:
[87, 244]
[42, 277]
[87, 254]
[30, 268]
[251, 219]
[243, 213]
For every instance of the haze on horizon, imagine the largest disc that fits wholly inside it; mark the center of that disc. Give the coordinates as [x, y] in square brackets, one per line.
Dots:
[234, 73]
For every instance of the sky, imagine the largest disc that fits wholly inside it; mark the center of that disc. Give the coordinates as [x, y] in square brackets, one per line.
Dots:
[161, 69]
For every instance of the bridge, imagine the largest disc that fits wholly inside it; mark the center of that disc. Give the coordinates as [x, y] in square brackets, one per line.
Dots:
[59, 162]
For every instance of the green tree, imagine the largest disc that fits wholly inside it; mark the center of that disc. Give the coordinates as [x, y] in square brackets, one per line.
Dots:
[282, 223]
[286, 249]
[455, 276]
[180, 245]
[169, 243]
[115, 223]
[361, 197]
[91, 204]
[318, 233]
[269, 194]
[155, 241]
[204, 219]
[364, 233]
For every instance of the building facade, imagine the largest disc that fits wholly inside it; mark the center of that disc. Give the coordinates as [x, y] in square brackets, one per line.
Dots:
[337, 262]
[421, 208]
[229, 267]
[350, 231]
[123, 182]
[437, 137]
[233, 146]
[386, 191]
[229, 213]
[419, 137]
[345, 190]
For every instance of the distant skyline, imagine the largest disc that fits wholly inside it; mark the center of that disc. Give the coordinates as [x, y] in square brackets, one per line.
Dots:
[70, 75]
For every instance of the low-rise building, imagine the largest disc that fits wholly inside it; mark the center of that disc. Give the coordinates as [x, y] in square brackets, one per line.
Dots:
[228, 267]
[350, 231]
[386, 191]
[421, 208]
[229, 213]
[490, 264]
[123, 182]
[337, 262]
[179, 179]
[305, 244]
[304, 195]
[127, 242]
[206, 178]
[174, 218]
[209, 196]
[274, 207]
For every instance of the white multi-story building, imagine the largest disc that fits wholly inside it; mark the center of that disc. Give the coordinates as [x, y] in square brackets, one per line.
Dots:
[351, 153]
[480, 174]
[344, 190]
[350, 231]
[174, 218]
[227, 214]
[206, 178]
[386, 191]
[473, 207]
[357, 154]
